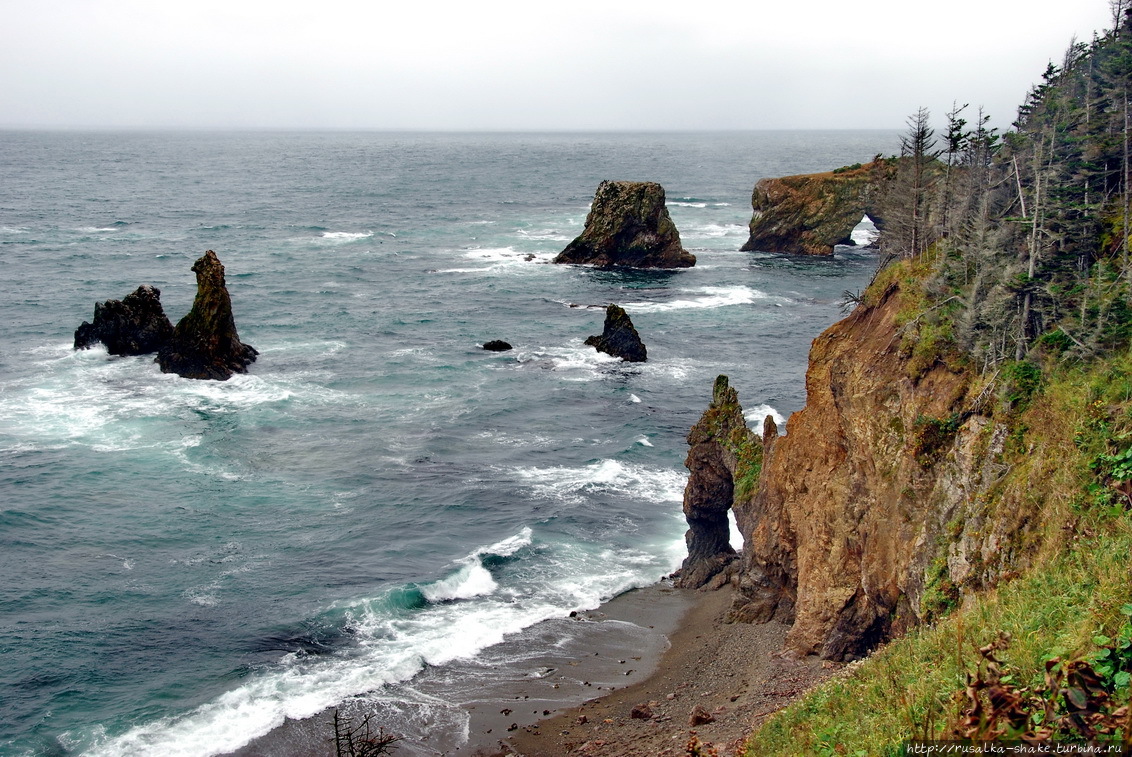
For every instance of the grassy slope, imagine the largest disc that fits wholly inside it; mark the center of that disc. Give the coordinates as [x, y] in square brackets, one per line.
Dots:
[1081, 580]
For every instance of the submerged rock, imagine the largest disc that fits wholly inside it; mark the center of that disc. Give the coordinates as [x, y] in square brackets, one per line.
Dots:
[204, 344]
[134, 325]
[496, 345]
[619, 337]
[628, 225]
[811, 213]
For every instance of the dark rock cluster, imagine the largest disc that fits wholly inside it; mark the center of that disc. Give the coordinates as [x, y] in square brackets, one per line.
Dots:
[203, 345]
[133, 325]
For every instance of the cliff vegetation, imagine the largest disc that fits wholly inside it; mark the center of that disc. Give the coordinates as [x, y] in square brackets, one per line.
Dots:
[951, 510]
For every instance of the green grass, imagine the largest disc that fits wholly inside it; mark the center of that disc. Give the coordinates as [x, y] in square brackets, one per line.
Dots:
[1078, 420]
[908, 689]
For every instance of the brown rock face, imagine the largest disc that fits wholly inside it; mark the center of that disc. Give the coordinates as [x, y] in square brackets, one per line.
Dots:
[204, 344]
[619, 337]
[717, 443]
[853, 523]
[811, 213]
[628, 226]
[134, 325]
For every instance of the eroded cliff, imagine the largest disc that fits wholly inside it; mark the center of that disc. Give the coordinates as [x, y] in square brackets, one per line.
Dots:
[870, 515]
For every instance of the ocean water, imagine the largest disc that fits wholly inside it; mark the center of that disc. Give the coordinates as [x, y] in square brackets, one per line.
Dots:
[185, 564]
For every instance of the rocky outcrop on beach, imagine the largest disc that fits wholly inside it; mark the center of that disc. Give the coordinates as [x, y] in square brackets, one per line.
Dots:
[133, 325]
[205, 344]
[619, 337]
[810, 213]
[628, 226]
[716, 444]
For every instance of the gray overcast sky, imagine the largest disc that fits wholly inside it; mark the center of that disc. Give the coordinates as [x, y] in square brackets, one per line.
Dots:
[503, 65]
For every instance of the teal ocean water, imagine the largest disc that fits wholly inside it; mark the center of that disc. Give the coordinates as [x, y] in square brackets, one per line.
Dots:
[185, 564]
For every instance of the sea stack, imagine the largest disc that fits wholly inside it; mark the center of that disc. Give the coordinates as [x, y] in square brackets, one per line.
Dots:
[628, 226]
[619, 337]
[133, 325]
[204, 344]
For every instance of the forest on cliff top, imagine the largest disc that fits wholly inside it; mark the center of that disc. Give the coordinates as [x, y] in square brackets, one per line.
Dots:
[1012, 262]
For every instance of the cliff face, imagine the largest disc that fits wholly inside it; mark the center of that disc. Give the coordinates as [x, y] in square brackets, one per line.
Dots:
[628, 225]
[868, 516]
[809, 214]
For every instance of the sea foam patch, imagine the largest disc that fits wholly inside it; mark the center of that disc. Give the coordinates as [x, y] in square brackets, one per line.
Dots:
[107, 403]
[703, 297]
[574, 485]
[340, 237]
[394, 644]
[755, 416]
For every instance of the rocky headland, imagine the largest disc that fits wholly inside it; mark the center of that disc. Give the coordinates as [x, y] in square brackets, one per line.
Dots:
[628, 226]
[810, 213]
[619, 337]
[203, 345]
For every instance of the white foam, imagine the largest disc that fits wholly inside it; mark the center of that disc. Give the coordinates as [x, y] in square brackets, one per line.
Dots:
[574, 485]
[865, 233]
[510, 545]
[634, 398]
[573, 362]
[499, 259]
[644, 441]
[89, 398]
[758, 413]
[96, 229]
[707, 297]
[683, 204]
[471, 580]
[345, 236]
[12, 230]
[549, 235]
[715, 231]
[394, 646]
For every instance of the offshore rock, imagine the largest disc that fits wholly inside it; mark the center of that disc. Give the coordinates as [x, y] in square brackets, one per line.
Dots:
[496, 345]
[619, 337]
[628, 226]
[810, 213]
[205, 345]
[134, 325]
